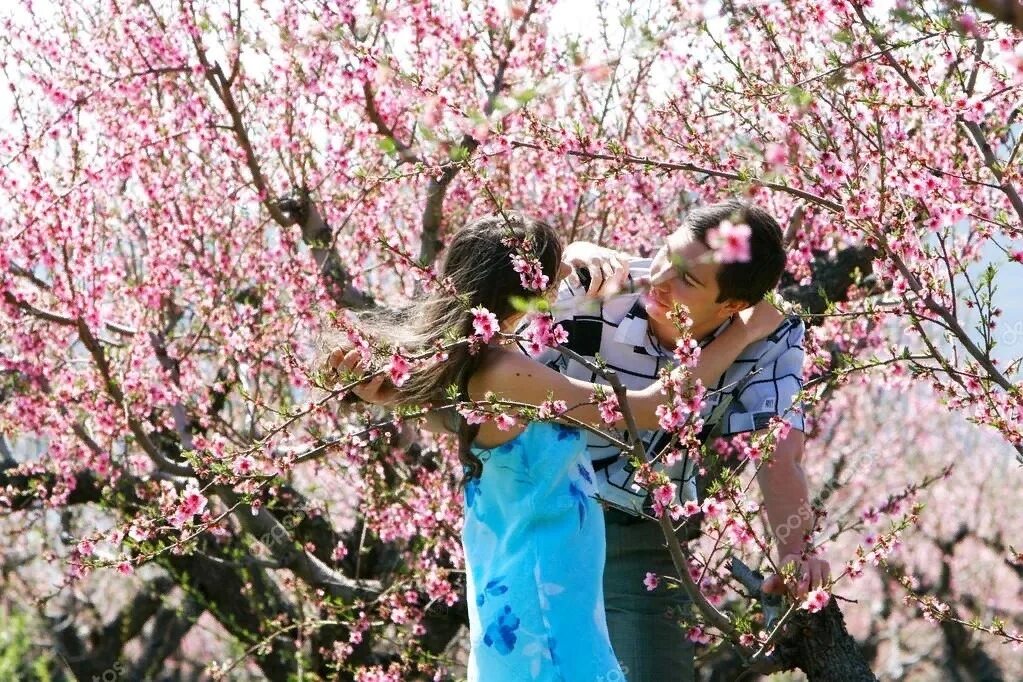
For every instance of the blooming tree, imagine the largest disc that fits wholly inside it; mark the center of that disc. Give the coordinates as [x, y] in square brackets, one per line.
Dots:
[176, 491]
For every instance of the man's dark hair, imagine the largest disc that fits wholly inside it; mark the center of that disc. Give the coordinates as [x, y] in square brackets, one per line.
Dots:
[745, 281]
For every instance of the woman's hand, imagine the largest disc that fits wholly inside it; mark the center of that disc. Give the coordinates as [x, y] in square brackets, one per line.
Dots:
[759, 321]
[608, 269]
[377, 391]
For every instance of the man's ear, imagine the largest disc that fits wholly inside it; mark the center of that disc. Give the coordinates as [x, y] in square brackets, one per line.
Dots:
[733, 306]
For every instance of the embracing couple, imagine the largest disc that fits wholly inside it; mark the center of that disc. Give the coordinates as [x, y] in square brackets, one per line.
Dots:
[557, 546]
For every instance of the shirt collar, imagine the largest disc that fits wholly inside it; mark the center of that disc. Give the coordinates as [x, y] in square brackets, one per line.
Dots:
[634, 330]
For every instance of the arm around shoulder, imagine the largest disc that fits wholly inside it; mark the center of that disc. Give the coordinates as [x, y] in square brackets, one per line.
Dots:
[516, 378]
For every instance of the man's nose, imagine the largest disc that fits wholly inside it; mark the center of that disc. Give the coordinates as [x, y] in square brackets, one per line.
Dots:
[662, 283]
[660, 276]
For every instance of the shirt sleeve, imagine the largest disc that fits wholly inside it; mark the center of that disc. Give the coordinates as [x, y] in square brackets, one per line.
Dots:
[772, 391]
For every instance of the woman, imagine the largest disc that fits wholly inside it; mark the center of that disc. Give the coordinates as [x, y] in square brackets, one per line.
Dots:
[533, 533]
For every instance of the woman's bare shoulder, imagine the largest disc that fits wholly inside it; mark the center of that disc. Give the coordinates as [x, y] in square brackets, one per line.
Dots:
[497, 367]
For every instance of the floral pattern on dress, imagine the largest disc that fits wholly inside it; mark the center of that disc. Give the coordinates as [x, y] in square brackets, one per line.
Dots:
[534, 557]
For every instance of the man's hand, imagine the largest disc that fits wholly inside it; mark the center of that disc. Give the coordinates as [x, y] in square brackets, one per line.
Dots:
[377, 391]
[608, 269]
[807, 575]
[759, 320]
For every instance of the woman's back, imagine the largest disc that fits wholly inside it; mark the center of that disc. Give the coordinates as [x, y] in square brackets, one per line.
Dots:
[534, 546]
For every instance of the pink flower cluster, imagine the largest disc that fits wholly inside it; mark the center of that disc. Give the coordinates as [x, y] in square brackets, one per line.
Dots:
[815, 600]
[730, 242]
[475, 415]
[549, 409]
[609, 408]
[687, 352]
[683, 410]
[244, 466]
[698, 635]
[484, 323]
[543, 333]
[399, 369]
[191, 504]
[530, 273]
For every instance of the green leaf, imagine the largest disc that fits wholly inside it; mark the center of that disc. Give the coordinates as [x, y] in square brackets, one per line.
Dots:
[799, 96]
[387, 145]
[526, 96]
[523, 304]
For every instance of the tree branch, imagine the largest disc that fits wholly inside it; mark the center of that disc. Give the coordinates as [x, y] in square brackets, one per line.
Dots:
[433, 211]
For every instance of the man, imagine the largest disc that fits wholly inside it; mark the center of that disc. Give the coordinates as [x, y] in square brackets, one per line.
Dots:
[633, 335]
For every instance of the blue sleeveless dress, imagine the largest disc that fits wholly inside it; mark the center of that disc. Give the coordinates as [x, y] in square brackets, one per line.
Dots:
[534, 552]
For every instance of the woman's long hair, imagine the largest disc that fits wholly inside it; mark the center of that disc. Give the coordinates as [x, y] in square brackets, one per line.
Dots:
[478, 265]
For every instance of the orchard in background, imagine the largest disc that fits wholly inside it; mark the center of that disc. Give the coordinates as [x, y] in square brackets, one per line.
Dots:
[179, 499]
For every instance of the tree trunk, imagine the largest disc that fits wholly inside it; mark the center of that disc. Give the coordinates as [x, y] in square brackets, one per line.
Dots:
[820, 646]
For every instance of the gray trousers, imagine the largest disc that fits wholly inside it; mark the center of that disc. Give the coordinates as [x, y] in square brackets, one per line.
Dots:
[649, 643]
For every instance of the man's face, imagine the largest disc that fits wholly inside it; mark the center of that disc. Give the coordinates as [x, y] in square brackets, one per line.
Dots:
[683, 271]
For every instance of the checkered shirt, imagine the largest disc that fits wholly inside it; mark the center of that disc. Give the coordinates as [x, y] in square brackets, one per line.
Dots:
[617, 328]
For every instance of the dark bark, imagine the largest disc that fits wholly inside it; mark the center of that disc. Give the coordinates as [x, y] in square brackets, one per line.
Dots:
[820, 645]
[832, 278]
[170, 626]
[1006, 11]
[242, 597]
[433, 211]
[320, 239]
[102, 650]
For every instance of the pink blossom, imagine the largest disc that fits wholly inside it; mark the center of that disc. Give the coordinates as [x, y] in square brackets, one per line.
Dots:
[730, 242]
[549, 409]
[432, 112]
[816, 600]
[542, 333]
[399, 369]
[125, 568]
[484, 323]
[650, 581]
[530, 273]
[664, 494]
[244, 466]
[86, 548]
[504, 421]
[474, 416]
[776, 155]
[690, 508]
[609, 411]
[670, 418]
[191, 504]
[687, 352]
[713, 508]
[968, 23]
[698, 635]
[194, 503]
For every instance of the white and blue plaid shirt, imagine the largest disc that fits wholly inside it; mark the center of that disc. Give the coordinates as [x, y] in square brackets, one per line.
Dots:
[617, 328]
